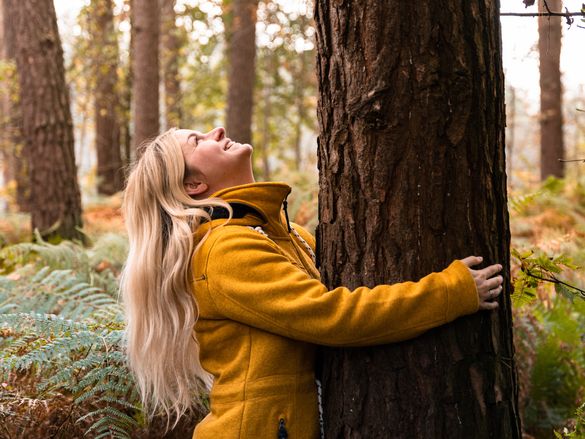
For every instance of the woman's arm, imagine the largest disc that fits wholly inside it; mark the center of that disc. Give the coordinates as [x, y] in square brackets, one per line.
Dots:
[249, 280]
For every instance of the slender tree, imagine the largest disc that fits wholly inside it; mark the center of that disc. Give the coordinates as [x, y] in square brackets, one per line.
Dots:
[241, 49]
[107, 113]
[412, 176]
[47, 127]
[551, 94]
[15, 164]
[145, 69]
[170, 54]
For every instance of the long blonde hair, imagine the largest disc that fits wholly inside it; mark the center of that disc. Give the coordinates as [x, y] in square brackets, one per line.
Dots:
[156, 284]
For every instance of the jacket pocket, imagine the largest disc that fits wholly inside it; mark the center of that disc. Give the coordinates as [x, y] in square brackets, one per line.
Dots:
[282, 433]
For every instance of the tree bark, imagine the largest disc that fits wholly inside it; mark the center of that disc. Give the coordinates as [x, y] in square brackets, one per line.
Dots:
[412, 176]
[551, 94]
[15, 164]
[107, 127]
[241, 48]
[170, 54]
[47, 125]
[145, 68]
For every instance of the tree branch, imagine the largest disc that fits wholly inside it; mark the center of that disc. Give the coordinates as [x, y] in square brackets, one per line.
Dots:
[542, 14]
[555, 280]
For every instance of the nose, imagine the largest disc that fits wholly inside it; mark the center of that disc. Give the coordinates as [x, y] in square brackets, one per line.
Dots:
[217, 133]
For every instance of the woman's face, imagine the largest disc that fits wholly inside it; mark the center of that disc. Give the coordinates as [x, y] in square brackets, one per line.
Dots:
[213, 161]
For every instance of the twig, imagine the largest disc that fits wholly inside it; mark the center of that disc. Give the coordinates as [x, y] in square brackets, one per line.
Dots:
[555, 280]
[572, 160]
[542, 14]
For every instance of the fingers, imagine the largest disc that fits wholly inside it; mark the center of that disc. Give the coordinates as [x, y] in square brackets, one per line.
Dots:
[489, 295]
[490, 270]
[488, 286]
[472, 261]
[493, 283]
[488, 305]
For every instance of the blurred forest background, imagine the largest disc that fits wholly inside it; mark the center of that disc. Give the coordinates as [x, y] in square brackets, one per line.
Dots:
[84, 83]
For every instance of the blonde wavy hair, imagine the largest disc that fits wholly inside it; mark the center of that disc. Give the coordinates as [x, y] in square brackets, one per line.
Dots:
[156, 284]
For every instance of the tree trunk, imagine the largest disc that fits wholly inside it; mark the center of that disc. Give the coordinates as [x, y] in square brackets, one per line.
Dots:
[145, 65]
[265, 146]
[126, 97]
[551, 95]
[47, 125]
[170, 54]
[511, 133]
[299, 98]
[15, 164]
[107, 128]
[241, 48]
[412, 176]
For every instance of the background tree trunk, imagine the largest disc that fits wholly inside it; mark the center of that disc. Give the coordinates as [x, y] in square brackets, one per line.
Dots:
[15, 164]
[241, 48]
[551, 95]
[170, 55]
[107, 128]
[145, 68]
[47, 126]
[299, 98]
[412, 176]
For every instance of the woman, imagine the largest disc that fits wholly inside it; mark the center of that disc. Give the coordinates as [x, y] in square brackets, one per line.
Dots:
[236, 305]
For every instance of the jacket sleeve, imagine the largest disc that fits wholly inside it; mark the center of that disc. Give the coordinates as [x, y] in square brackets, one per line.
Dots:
[250, 281]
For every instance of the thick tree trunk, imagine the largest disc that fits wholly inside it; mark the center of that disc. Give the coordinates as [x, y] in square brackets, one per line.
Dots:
[145, 67]
[412, 176]
[47, 126]
[551, 94]
[170, 55]
[107, 128]
[241, 48]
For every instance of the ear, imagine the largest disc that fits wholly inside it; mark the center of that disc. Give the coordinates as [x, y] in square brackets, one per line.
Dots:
[194, 186]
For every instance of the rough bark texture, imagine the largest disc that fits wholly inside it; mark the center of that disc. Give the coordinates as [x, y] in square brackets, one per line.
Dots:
[551, 93]
[107, 128]
[145, 65]
[170, 54]
[47, 126]
[412, 176]
[241, 48]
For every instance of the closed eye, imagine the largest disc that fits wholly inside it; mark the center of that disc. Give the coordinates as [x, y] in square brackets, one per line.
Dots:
[195, 139]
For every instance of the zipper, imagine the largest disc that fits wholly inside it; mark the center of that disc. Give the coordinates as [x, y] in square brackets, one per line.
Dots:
[282, 433]
[285, 206]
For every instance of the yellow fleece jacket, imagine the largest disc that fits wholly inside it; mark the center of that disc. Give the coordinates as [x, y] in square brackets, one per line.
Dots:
[262, 310]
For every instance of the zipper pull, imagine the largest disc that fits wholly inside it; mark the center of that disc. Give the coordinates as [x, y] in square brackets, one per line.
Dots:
[282, 433]
[285, 205]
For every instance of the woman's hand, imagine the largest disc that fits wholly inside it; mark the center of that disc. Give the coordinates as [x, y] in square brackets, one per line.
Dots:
[488, 287]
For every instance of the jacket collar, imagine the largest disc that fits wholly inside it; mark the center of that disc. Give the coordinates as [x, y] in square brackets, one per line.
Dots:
[266, 198]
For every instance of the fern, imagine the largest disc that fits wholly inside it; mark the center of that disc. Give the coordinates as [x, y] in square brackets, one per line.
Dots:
[61, 323]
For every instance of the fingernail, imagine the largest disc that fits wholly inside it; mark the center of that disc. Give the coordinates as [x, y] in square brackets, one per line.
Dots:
[480, 258]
